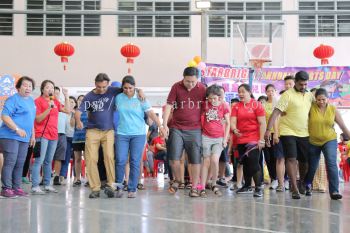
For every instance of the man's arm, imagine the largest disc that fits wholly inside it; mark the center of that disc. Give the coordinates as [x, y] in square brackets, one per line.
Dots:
[166, 115]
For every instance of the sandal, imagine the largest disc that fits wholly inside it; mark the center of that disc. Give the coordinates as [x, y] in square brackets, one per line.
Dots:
[189, 185]
[174, 187]
[216, 191]
[194, 193]
[140, 187]
[182, 186]
[209, 186]
[203, 193]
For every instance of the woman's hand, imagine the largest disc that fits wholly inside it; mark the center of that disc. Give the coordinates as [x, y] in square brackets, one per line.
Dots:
[261, 145]
[32, 141]
[79, 125]
[237, 133]
[276, 139]
[21, 133]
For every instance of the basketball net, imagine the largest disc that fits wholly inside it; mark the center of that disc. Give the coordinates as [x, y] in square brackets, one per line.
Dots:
[257, 65]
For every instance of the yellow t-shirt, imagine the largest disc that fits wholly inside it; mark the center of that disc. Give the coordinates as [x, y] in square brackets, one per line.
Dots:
[296, 105]
[269, 107]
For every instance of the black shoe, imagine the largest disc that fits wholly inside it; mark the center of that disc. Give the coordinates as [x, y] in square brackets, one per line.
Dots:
[87, 184]
[295, 195]
[77, 183]
[258, 193]
[308, 190]
[222, 182]
[336, 196]
[94, 194]
[56, 180]
[109, 191]
[245, 190]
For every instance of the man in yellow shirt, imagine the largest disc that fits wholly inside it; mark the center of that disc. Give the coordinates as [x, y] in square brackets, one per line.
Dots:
[296, 103]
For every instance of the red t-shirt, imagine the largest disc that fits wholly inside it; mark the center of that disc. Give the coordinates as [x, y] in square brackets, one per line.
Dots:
[247, 120]
[50, 132]
[212, 124]
[187, 106]
[155, 141]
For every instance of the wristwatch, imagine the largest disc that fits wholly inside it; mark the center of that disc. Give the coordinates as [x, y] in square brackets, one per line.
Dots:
[16, 129]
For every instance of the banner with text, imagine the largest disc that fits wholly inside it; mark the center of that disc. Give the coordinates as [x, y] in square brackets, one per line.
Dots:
[335, 79]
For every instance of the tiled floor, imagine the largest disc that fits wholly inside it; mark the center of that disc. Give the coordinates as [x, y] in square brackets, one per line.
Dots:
[154, 210]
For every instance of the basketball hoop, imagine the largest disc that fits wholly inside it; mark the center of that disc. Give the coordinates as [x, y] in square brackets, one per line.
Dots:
[257, 64]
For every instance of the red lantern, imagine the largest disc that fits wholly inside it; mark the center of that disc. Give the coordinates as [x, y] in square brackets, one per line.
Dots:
[64, 50]
[130, 51]
[323, 52]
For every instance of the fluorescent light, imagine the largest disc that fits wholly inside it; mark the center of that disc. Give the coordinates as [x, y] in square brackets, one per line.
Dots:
[203, 4]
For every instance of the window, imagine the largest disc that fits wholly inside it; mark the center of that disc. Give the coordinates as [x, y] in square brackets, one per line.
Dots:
[324, 25]
[6, 20]
[63, 25]
[153, 26]
[220, 26]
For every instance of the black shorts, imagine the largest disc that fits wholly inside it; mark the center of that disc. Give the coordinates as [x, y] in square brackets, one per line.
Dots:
[224, 155]
[60, 153]
[80, 146]
[190, 140]
[295, 147]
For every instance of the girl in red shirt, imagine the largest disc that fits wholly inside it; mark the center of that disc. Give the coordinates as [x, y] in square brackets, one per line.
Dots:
[248, 123]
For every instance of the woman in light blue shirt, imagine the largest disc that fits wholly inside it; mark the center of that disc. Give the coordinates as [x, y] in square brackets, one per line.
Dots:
[16, 132]
[131, 133]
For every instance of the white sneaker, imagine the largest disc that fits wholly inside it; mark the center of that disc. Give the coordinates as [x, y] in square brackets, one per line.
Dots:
[37, 191]
[50, 189]
[274, 184]
[286, 184]
[166, 176]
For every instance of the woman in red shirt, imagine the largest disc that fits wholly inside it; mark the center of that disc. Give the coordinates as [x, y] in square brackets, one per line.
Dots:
[248, 123]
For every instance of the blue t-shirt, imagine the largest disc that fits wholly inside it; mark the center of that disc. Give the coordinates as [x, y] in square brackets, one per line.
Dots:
[131, 115]
[62, 121]
[22, 111]
[100, 108]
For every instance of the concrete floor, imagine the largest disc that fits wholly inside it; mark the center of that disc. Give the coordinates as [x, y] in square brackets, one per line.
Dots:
[154, 210]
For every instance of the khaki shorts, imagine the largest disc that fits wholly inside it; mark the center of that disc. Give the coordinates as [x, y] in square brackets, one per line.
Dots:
[211, 146]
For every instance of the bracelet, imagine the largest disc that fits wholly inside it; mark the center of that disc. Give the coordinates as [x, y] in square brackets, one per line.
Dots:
[261, 142]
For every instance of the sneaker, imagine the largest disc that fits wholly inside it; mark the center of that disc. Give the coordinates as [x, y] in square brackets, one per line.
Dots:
[222, 182]
[308, 190]
[295, 195]
[245, 190]
[25, 180]
[286, 185]
[37, 191]
[236, 186]
[19, 192]
[94, 194]
[274, 184]
[56, 180]
[258, 193]
[9, 193]
[132, 195]
[87, 184]
[77, 183]
[336, 196]
[109, 191]
[119, 193]
[280, 188]
[50, 189]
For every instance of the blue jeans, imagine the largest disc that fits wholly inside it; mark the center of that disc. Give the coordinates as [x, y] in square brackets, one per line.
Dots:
[15, 153]
[135, 144]
[329, 150]
[65, 163]
[47, 151]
